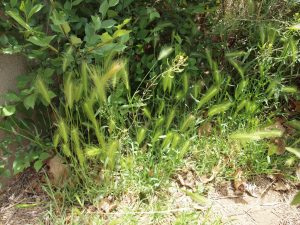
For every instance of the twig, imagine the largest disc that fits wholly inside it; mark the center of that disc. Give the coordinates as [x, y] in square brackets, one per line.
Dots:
[264, 192]
[272, 204]
[155, 212]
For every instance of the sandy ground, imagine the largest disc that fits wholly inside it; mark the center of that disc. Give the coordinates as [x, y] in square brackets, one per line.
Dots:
[23, 202]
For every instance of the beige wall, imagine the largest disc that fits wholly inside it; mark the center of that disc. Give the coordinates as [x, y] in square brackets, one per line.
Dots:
[11, 66]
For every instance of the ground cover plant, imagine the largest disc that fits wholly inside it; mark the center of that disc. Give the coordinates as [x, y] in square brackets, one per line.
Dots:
[121, 95]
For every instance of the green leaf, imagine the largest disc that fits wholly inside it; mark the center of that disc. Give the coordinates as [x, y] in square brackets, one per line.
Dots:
[44, 155]
[295, 151]
[126, 21]
[75, 40]
[9, 110]
[3, 40]
[42, 42]
[13, 3]
[97, 22]
[296, 200]
[119, 33]
[68, 58]
[108, 24]
[196, 197]
[58, 18]
[29, 101]
[65, 27]
[105, 37]
[19, 20]
[152, 12]
[38, 165]
[103, 8]
[12, 97]
[34, 10]
[76, 2]
[113, 3]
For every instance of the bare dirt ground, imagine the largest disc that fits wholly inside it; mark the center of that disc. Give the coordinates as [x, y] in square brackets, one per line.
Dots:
[23, 201]
[266, 202]
[265, 206]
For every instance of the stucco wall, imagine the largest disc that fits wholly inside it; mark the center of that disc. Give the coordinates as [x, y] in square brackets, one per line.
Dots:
[11, 66]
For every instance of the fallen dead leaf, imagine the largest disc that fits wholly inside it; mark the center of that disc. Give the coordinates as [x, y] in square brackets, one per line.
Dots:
[181, 180]
[277, 146]
[250, 189]
[58, 172]
[190, 180]
[222, 188]
[187, 179]
[298, 171]
[205, 130]
[281, 186]
[295, 105]
[215, 171]
[107, 205]
[275, 177]
[278, 125]
[239, 183]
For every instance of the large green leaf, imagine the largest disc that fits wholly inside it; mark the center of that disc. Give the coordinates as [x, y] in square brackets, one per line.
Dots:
[39, 41]
[108, 23]
[9, 110]
[113, 3]
[29, 101]
[75, 40]
[34, 10]
[76, 2]
[13, 3]
[103, 8]
[119, 33]
[19, 20]
[97, 22]
[11, 97]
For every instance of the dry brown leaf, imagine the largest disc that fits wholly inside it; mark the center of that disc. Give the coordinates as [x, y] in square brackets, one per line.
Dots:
[222, 188]
[250, 189]
[187, 179]
[280, 145]
[181, 180]
[281, 186]
[58, 172]
[239, 183]
[296, 106]
[215, 171]
[275, 177]
[298, 172]
[277, 125]
[107, 205]
[205, 130]
[190, 180]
